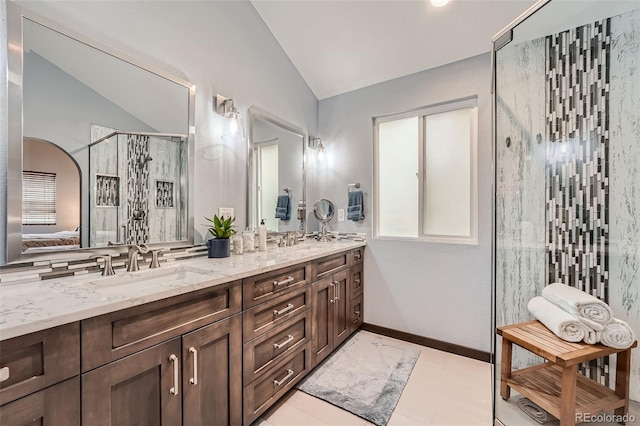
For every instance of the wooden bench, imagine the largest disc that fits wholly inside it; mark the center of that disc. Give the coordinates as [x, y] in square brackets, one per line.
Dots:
[556, 385]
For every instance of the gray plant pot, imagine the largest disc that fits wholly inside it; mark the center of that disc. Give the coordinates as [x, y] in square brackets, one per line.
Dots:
[219, 247]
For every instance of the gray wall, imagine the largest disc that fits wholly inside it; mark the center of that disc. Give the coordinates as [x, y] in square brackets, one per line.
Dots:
[441, 291]
[221, 47]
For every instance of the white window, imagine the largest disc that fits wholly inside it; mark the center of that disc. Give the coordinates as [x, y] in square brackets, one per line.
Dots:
[38, 198]
[425, 174]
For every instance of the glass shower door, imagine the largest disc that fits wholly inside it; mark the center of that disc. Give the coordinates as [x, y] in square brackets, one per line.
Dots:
[567, 175]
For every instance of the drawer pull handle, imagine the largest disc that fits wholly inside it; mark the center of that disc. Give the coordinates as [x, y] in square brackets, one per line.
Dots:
[286, 342]
[194, 379]
[337, 284]
[357, 314]
[283, 282]
[4, 374]
[284, 379]
[332, 292]
[358, 255]
[357, 280]
[174, 360]
[283, 310]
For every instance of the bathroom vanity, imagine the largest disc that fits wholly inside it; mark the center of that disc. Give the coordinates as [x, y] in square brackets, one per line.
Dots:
[205, 342]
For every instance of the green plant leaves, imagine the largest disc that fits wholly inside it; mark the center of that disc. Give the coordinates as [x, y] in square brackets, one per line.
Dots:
[222, 228]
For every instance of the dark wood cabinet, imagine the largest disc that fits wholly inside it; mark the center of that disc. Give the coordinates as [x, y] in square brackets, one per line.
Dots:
[38, 360]
[141, 389]
[331, 319]
[57, 405]
[211, 374]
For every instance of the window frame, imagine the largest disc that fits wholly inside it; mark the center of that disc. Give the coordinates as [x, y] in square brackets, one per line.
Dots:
[26, 212]
[458, 104]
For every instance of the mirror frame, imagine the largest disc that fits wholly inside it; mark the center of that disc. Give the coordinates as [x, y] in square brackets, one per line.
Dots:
[253, 113]
[15, 16]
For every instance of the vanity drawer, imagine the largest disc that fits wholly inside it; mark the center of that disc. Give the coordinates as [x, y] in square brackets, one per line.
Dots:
[264, 287]
[37, 360]
[329, 265]
[357, 255]
[356, 313]
[57, 405]
[260, 354]
[121, 333]
[264, 392]
[266, 316]
[357, 282]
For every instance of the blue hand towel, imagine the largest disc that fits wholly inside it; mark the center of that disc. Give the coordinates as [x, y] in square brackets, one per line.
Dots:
[283, 208]
[355, 208]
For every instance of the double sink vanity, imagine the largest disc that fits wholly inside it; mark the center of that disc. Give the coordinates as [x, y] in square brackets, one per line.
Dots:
[206, 341]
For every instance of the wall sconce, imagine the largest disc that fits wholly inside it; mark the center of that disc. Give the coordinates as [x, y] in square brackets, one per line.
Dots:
[316, 145]
[225, 107]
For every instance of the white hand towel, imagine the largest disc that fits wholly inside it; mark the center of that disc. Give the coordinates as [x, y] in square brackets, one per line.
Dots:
[579, 304]
[561, 323]
[618, 334]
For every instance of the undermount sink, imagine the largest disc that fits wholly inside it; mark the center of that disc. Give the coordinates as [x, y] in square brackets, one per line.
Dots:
[140, 280]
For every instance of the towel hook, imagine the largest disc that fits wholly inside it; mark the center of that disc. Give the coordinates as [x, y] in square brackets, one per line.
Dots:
[287, 190]
[353, 185]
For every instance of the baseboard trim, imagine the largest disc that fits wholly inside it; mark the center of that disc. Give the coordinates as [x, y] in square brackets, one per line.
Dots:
[428, 342]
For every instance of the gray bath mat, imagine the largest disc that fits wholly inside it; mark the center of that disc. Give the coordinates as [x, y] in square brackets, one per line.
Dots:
[365, 376]
[535, 411]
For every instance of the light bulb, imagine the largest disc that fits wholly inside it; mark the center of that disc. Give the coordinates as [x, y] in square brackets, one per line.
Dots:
[439, 3]
[233, 126]
[320, 154]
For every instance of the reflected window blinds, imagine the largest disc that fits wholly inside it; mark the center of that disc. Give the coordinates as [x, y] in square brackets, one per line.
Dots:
[38, 198]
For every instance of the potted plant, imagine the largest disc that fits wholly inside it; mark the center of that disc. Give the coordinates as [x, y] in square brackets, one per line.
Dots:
[222, 230]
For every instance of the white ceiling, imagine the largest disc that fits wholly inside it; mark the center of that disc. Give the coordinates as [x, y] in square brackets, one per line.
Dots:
[342, 45]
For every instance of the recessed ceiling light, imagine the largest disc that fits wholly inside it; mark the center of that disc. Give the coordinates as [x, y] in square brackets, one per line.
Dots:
[439, 3]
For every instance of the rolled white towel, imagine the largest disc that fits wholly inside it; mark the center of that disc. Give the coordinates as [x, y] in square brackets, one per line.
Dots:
[579, 303]
[561, 323]
[618, 334]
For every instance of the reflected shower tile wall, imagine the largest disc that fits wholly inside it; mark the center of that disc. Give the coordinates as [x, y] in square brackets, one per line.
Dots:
[520, 180]
[164, 220]
[104, 161]
[137, 189]
[624, 179]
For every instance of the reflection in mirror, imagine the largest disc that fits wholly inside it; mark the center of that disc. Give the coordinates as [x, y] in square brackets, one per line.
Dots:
[137, 194]
[323, 210]
[75, 92]
[276, 173]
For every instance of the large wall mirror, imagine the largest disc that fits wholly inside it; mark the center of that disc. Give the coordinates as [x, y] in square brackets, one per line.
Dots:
[104, 152]
[276, 173]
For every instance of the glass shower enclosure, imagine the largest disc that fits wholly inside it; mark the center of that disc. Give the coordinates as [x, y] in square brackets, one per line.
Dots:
[567, 176]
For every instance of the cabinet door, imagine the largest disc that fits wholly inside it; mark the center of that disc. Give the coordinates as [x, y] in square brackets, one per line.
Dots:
[341, 321]
[322, 323]
[58, 405]
[141, 389]
[212, 374]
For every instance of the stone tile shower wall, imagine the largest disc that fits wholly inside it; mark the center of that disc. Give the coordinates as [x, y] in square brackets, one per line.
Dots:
[544, 189]
[137, 189]
[577, 184]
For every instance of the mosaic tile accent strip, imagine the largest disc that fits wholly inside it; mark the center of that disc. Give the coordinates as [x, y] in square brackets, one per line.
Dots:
[577, 193]
[138, 189]
[107, 191]
[164, 194]
[42, 270]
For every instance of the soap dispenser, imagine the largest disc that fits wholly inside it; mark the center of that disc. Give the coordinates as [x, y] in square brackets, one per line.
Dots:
[262, 236]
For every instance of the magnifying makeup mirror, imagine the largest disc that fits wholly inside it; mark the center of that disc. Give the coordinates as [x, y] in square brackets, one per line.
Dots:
[324, 210]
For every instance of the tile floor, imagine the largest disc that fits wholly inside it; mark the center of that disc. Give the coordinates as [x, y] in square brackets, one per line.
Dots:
[443, 390]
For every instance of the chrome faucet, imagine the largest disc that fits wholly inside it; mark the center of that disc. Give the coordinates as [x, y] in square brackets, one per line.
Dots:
[132, 260]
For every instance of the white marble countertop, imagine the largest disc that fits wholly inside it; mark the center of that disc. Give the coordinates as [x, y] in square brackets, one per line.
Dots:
[38, 305]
